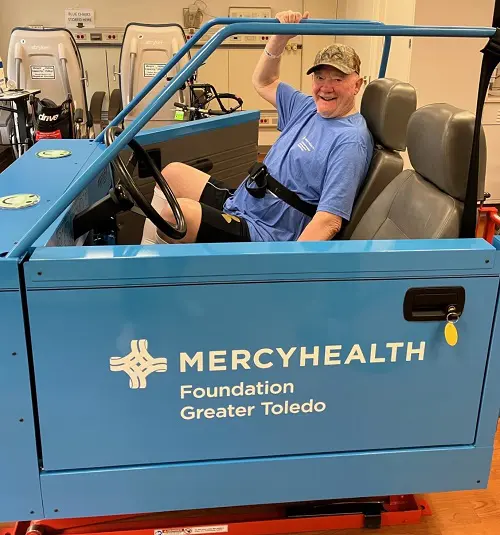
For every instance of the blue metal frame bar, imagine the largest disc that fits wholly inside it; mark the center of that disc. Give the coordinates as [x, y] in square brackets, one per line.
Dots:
[238, 28]
[221, 21]
[385, 56]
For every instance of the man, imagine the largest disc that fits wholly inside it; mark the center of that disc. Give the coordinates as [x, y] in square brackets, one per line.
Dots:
[320, 160]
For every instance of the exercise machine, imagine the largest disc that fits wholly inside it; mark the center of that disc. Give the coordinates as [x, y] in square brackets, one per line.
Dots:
[146, 49]
[143, 379]
[46, 65]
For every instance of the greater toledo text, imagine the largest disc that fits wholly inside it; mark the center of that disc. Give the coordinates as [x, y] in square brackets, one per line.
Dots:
[292, 358]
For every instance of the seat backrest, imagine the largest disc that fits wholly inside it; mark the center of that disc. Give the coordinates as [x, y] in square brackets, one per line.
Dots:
[48, 59]
[387, 105]
[426, 202]
[146, 49]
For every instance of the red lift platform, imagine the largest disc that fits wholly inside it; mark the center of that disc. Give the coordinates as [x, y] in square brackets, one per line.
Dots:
[370, 513]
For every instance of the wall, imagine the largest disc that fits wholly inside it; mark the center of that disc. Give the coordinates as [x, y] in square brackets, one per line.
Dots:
[448, 69]
[112, 12]
[400, 58]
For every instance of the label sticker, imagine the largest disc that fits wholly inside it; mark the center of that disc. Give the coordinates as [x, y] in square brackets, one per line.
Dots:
[53, 153]
[43, 72]
[152, 69]
[19, 200]
[179, 115]
[79, 18]
[194, 530]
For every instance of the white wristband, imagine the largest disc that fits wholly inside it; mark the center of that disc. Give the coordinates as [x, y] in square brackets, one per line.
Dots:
[272, 55]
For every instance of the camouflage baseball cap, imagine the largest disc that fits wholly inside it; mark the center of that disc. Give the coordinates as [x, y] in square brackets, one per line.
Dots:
[342, 57]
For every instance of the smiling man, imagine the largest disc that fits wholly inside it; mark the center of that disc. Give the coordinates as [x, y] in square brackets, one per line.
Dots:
[307, 184]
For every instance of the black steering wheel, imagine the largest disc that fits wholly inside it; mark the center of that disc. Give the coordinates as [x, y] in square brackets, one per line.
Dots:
[177, 231]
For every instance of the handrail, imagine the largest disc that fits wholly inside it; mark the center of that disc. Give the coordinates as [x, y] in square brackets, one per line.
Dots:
[108, 154]
[225, 21]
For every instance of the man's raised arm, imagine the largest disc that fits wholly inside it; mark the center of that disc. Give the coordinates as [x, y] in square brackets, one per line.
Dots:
[265, 78]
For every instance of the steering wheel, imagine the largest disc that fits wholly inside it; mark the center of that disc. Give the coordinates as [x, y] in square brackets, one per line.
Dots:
[177, 231]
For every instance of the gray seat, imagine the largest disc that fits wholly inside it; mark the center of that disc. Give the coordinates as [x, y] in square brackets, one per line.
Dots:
[427, 201]
[49, 59]
[146, 49]
[387, 105]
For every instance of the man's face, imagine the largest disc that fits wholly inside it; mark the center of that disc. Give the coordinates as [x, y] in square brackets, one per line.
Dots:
[334, 92]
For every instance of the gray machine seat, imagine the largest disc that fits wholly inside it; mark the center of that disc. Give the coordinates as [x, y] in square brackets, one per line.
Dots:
[387, 105]
[426, 202]
[146, 49]
[48, 59]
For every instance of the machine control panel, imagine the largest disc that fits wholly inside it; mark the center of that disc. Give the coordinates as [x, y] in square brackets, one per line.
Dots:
[250, 12]
[114, 36]
[96, 36]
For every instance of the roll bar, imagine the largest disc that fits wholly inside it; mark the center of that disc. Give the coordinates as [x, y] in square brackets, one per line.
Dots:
[269, 28]
[226, 21]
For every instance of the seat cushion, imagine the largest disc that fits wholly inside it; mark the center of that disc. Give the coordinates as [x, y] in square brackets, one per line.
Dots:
[410, 208]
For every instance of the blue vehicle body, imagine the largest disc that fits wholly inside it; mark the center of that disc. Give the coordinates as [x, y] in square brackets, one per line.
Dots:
[156, 378]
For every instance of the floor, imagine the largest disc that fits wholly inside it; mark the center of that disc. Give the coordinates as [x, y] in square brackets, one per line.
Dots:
[456, 513]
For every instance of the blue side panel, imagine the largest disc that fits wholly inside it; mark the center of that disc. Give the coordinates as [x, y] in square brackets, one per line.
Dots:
[491, 395]
[252, 370]
[53, 267]
[9, 274]
[19, 469]
[60, 233]
[47, 178]
[158, 135]
[219, 484]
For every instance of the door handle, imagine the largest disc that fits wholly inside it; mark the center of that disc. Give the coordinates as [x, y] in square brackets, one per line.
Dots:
[433, 304]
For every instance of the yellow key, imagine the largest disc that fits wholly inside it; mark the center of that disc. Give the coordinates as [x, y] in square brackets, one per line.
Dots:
[450, 330]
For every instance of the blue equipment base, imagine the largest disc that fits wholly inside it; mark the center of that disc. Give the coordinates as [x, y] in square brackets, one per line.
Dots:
[395, 408]
[179, 377]
[180, 487]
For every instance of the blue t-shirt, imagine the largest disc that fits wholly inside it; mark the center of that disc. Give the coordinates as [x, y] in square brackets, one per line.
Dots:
[324, 161]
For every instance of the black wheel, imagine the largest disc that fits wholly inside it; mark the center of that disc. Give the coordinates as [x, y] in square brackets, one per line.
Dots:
[177, 231]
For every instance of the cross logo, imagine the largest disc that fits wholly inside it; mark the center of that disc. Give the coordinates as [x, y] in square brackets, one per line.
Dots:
[138, 364]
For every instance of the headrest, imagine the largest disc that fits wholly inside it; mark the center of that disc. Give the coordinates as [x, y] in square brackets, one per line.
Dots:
[387, 105]
[439, 147]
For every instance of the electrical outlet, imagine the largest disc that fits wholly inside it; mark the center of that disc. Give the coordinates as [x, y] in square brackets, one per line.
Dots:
[268, 120]
[251, 12]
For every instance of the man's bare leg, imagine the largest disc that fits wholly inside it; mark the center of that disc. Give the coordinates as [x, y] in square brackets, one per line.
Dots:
[192, 214]
[187, 183]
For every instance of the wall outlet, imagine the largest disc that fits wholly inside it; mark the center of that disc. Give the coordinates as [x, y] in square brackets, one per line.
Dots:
[251, 12]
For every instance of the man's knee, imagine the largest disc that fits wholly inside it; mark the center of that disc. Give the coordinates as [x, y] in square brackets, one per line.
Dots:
[174, 170]
[192, 214]
[185, 181]
[173, 174]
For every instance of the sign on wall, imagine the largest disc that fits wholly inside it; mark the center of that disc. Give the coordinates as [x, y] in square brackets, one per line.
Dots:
[79, 18]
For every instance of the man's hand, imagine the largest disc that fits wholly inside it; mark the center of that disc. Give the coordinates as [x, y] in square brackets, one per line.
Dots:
[290, 17]
[322, 227]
